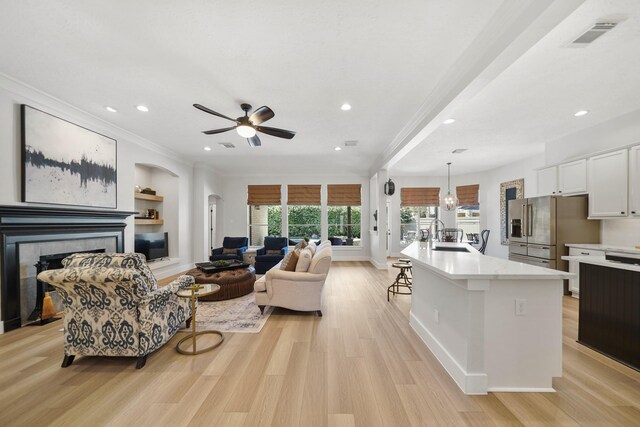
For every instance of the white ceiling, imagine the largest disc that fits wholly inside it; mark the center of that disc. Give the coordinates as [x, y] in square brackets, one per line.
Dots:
[533, 101]
[303, 59]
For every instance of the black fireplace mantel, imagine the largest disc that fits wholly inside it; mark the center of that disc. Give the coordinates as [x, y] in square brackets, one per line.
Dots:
[33, 224]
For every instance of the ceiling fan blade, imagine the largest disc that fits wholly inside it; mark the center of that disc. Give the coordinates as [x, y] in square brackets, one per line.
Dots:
[214, 131]
[210, 111]
[254, 141]
[280, 133]
[261, 115]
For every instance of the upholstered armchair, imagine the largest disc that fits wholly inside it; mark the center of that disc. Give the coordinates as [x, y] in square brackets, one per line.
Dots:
[232, 249]
[114, 307]
[271, 253]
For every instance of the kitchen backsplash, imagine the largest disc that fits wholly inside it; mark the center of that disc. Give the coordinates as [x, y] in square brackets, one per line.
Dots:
[621, 232]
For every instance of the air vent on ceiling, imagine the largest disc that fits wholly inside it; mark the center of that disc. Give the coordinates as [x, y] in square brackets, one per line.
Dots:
[350, 143]
[227, 145]
[459, 150]
[593, 33]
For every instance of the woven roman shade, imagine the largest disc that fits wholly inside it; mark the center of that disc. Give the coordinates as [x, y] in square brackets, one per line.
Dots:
[344, 195]
[468, 195]
[420, 196]
[303, 195]
[263, 195]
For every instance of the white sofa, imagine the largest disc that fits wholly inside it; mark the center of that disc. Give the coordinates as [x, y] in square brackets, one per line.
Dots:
[296, 290]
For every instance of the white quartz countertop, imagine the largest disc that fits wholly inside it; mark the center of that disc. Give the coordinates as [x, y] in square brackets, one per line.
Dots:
[604, 247]
[474, 265]
[600, 260]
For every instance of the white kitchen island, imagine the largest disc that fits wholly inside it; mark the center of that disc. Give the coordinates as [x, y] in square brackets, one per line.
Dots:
[494, 324]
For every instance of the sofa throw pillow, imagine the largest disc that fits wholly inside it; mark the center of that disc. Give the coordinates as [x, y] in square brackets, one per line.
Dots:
[304, 260]
[293, 261]
[312, 247]
[273, 251]
[301, 245]
[229, 251]
[285, 260]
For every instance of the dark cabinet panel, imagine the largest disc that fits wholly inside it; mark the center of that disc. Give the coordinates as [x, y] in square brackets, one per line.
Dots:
[610, 312]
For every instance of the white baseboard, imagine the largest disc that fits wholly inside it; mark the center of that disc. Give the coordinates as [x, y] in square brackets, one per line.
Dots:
[468, 383]
[521, 390]
[347, 257]
[1, 327]
[378, 265]
[172, 270]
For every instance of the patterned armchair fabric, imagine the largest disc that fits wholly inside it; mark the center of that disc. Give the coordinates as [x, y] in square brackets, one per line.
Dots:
[114, 311]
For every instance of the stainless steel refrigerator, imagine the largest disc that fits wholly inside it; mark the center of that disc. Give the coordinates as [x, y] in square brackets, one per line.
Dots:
[539, 228]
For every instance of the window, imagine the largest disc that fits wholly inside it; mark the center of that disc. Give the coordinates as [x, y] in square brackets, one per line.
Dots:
[304, 221]
[413, 219]
[265, 212]
[344, 214]
[418, 209]
[303, 205]
[264, 221]
[468, 211]
[344, 224]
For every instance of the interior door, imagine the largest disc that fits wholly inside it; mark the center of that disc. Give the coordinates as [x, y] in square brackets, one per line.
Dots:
[517, 221]
[541, 220]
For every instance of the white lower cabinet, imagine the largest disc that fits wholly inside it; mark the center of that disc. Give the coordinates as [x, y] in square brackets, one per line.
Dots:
[574, 267]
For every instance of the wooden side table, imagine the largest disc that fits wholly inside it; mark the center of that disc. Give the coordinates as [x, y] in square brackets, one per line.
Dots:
[194, 292]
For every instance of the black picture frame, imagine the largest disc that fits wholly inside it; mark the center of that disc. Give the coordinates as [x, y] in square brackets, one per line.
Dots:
[64, 163]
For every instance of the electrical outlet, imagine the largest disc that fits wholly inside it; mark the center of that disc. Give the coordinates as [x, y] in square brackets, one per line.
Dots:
[521, 307]
[436, 316]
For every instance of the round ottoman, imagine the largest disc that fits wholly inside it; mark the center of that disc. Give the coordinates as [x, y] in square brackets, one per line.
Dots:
[233, 283]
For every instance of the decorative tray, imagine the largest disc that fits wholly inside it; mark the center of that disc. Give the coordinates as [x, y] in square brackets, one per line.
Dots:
[208, 267]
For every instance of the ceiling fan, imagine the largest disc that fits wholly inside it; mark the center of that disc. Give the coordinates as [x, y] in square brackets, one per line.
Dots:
[246, 125]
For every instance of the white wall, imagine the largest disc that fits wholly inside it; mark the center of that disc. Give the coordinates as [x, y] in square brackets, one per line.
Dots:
[132, 149]
[236, 214]
[206, 182]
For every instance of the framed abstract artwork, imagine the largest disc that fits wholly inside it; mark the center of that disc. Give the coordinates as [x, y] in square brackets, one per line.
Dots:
[67, 164]
[508, 191]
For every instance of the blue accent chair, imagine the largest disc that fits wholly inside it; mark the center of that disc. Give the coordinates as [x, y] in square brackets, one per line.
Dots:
[265, 261]
[240, 244]
[336, 241]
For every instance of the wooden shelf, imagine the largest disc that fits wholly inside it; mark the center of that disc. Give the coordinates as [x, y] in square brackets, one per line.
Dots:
[150, 197]
[149, 221]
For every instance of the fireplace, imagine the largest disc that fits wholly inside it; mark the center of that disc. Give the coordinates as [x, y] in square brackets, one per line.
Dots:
[29, 232]
[30, 291]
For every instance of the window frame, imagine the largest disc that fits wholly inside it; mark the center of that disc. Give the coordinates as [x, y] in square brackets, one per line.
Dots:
[427, 218]
[353, 224]
[250, 225]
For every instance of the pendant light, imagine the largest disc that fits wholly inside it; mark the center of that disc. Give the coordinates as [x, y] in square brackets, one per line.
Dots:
[450, 200]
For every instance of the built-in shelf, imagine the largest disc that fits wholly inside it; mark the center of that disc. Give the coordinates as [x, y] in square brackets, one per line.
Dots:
[149, 221]
[150, 197]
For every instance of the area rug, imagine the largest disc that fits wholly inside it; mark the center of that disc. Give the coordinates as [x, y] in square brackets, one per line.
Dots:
[234, 315]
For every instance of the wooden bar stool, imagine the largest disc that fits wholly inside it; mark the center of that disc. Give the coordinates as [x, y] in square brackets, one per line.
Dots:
[402, 280]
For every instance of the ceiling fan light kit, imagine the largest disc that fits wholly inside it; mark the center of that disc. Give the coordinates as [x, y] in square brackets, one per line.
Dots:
[450, 200]
[247, 126]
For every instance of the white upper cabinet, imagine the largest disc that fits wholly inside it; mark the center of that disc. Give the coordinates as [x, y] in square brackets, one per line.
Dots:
[634, 181]
[608, 180]
[572, 177]
[547, 181]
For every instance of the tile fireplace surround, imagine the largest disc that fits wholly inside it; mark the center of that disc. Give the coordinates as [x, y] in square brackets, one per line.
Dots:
[41, 230]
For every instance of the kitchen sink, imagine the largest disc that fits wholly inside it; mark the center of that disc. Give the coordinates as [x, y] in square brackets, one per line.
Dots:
[450, 249]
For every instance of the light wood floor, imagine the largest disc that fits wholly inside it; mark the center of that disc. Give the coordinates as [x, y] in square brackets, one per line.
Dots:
[359, 365]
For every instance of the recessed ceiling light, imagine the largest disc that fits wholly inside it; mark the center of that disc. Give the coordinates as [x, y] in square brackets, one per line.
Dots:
[345, 107]
[142, 108]
[337, 148]
[110, 109]
[581, 113]
[449, 121]
[207, 148]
